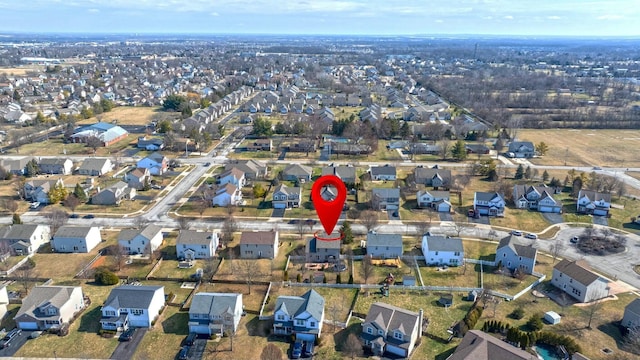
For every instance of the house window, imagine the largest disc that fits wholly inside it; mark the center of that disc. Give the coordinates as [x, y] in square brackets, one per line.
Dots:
[202, 247]
[137, 312]
[520, 258]
[571, 281]
[457, 253]
[299, 322]
[312, 324]
[380, 332]
[436, 253]
[397, 335]
[369, 330]
[110, 313]
[281, 317]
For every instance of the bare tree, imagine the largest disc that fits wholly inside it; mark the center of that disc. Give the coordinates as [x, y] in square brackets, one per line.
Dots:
[228, 228]
[201, 206]
[71, 202]
[352, 347]
[493, 235]
[367, 268]
[369, 219]
[25, 276]
[445, 146]
[140, 222]
[595, 306]
[119, 255]
[421, 229]
[94, 143]
[56, 218]
[247, 271]
[556, 248]
[271, 352]
[300, 228]
[11, 205]
[335, 309]
[183, 223]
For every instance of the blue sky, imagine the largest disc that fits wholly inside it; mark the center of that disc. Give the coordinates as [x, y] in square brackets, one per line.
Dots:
[376, 17]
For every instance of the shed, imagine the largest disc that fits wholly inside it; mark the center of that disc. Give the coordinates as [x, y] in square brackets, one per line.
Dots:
[446, 300]
[472, 296]
[409, 280]
[552, 317]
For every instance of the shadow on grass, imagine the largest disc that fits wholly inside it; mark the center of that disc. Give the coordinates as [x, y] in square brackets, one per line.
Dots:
[445, 355]
[340, 337]
[613, 330]
[255, 327]
[176, 324]
[90, 320]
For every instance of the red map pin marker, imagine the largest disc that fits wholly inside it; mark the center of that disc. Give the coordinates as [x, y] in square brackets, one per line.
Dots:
[328, 211]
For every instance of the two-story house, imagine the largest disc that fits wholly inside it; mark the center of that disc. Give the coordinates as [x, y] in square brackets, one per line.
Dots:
[385, 198]
[76, 239]
[59, 166]
[594, 203]
[478, 345]
[297, 173]
[38, 190]
[442, 250]
[260, 145]
[434, 177]
[227, 195]
[286, 197]
[390, 329]
[384, 245]
[95, 167]
[301, 316]
[521, 149]
[49, 307]
[24, 239]
[631, 317]
[114, 194]
[488, 203]
[514, 256]
[259, 245]
[252, 169]
[346, 173]
[233, 176]
[383, 173]
[575, 279]
[132, 306]
[434, 199]
[319, 250]
[137, 178]
[155, 162]
[192, 244]
[141, 241]
[215, 313]
[538, 198]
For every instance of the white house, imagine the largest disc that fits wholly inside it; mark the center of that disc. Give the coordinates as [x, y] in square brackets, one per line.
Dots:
[488, 203]
[631, 317]
[538, 198]
[145, 241]
[215, 313]
[49, 307]
[575, 279]
[192, 244]
[155, 162]
[514, 256]
[95, 167]
[390, 329]
[227, 194]
[232, 176]
[132, 306]
[592, 202]
[4, 300]
[442, 250]
[76, 239]
[381, 173]
[301, 316]
[434, 199]
[24, 239]
[61, 166]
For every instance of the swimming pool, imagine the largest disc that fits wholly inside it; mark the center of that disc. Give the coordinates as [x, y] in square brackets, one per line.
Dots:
[547, 353]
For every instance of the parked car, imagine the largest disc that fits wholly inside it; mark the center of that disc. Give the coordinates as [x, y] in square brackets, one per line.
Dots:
[296, 350]
[88, 216]
[190, 339]
[34, 205]
[127, 334]
[574, 240]
[308, 349]
[6, 341]
[531, 236]
[74, 216]
[516, 233]
[184, 353]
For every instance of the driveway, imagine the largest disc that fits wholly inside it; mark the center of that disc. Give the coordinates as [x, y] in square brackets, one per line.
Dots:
[553, 218]
[482, 220]
[15, 344]
[126, 349]
[196, 351]
[391, 216]
[278, 213]
[601, 220]
[445, 216]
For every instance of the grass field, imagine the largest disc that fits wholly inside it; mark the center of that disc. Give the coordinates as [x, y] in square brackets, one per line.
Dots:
[125, 115]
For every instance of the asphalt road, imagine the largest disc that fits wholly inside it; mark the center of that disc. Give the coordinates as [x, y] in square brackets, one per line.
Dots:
[126, 349]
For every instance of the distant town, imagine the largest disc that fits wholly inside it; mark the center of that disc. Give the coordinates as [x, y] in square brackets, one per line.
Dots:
[155, 197]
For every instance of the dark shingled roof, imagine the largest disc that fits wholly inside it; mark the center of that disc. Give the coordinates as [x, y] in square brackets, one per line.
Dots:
[577, 270]
[478, 345]
[131, 296]
[520, 250]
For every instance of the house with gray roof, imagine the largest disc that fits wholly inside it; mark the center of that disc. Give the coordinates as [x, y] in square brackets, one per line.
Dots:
[252, 169]
[215, 313]
[286, 197]
[434, 177]
[137, 178]
[521, 149]
[631, 317]
[441, 250]
[259, 244]
[76, 239]
[24, 239]
[95, 167]
[150, 143]
[141, 241]
[478, 345]
[346, 173]
[38, 189]
[107, 133]
[539, 198]
[114, 194]
[155, 162]
[384, 245]
[390, 329]
[300, 316]
[385, 198]
[49, 307]
[60, 166]
[132, 306]
[434, 199]
[16, 166]
[576, 279]
[383, 173]
[593, 202]
[488, 203]
[515, 256]
[318, 250]
[297, 172]
[192, 244]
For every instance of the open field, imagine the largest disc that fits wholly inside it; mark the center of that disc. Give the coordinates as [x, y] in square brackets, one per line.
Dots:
[21, 70]
[55, 146]
[125, 115]
[588, 147]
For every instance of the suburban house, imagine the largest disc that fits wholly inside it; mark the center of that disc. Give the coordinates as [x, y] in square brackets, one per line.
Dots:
[594, 203]
[434, 177]
[137, 178]
[384, 245]
[318, 250]
[434, 199]
[155, 162]
[478, 345]
[38, 190]
[346, 173]
[95, 167]
[132, 306]
[4, 300]
[259, 245]
[260, 145]
[215, 313]
[16, 166]
[192, 244]
[514, 256]
[252, 169]
[233, 176]
[150, 143]
[60, 166]
[631, 317]
[297, 172]
[145, 241]
[105, 132]
[575, 279]
[442, 250]
[286, 197]
[48, 307]
[24, 239]
[301, 316]
[76, 239]
[382, 173]
[521, 149]
[114, 194]
[385, 198]
[390, 329]
[225, 195]
[488, 203]
[538, 198]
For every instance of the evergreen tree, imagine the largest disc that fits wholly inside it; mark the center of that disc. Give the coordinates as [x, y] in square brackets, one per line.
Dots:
[16, 219]
[527, 173]
[459, 152]
[79, 193]
[519, 172]
[346, 231]
[545, 176]
[32, 168]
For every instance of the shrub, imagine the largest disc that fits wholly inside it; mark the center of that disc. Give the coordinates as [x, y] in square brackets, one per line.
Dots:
[517, 313]
[535, 322]
[338, 279]
[299, 278]
[324, 279]
[106, 277]
[350, 279]
[285, 276]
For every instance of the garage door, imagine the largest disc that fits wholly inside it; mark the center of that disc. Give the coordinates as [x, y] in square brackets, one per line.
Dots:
[139, 323]
[395, 350]
[305, 337]
[199, 329]
[278, 206]
[392, 207]
[28, 325]
[546, 209]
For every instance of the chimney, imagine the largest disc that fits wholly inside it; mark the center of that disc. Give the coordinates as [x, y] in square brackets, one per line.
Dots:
[421, 315]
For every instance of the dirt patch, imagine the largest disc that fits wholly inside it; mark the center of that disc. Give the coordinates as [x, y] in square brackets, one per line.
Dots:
[99, 262]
